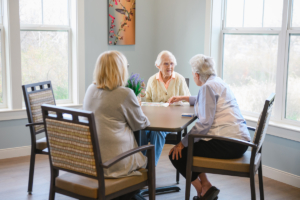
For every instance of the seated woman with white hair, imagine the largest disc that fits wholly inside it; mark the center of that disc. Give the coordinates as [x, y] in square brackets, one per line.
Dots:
[160, 87]
[218, 114]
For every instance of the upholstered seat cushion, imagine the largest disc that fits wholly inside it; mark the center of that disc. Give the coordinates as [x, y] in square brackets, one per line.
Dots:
[239, 165]
[41, 143]
[89, 187]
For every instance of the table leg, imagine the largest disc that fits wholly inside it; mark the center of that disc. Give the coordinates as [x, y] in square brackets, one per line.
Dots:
[139, 136]
[139, 197]
[179, 137]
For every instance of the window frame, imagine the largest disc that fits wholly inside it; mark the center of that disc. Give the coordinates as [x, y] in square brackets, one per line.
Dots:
[65, 28]
[282, 58]
[14, 109]
[214, 44]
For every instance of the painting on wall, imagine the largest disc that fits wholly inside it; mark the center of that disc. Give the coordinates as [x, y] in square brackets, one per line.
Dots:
[121, 22]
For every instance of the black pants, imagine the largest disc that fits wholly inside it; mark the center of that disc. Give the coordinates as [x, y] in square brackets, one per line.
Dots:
[210, 149]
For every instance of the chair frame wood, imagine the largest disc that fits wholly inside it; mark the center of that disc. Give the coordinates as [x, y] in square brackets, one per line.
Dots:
[97, 156]
[255, 149]
[33, 133]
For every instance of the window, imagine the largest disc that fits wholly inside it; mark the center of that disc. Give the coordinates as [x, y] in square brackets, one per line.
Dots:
[1, 74]
[250, 68]
[292, 111]
[45, 46]
[260, 55]
[293, 94]
[41, 40]
[2, 71]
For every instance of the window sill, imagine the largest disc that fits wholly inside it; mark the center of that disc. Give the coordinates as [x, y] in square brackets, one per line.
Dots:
[8, 114]
[278, 129]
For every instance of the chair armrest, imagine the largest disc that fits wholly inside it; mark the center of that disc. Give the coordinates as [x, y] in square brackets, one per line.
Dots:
[116, 159]
[193, 136]
[33, 124]
[251, 128]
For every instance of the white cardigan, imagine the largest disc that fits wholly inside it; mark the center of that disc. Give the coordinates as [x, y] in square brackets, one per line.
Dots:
[156, 91]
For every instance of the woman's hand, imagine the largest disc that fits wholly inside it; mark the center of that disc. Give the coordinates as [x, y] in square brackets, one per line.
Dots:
[176, 150]
[178, 98]
[175, 99]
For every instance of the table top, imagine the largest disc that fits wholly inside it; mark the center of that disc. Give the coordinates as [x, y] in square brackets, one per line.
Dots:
[168, 118]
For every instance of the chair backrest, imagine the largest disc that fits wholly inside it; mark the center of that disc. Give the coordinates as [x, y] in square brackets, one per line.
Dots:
[35, 95]
[72, 143]
[263, 122]
[187, 80]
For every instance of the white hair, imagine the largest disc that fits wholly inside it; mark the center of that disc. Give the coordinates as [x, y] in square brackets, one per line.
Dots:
[158, 59]
[203, 65]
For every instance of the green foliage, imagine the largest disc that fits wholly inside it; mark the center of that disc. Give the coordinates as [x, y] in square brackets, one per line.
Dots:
[44, 57]
[249, 68]
[135, 83]
[61, 92]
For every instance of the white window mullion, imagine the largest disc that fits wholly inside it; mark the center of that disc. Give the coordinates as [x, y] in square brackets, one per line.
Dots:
[11, 24]
[78, 50]
[281, 73]
[4, 82]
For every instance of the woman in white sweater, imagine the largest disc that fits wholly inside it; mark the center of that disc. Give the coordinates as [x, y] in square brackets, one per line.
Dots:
[160, 87]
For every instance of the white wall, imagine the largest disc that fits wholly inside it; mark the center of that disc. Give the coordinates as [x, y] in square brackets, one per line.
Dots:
[180, 28]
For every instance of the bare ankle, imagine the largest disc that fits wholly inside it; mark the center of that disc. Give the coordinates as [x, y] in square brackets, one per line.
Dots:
[197, 185]
[205, 187]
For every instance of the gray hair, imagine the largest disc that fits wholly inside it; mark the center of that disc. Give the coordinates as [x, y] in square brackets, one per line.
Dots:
[203, 65]
[158, 59]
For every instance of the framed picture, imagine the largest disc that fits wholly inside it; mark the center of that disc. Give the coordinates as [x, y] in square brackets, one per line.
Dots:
[121, 22]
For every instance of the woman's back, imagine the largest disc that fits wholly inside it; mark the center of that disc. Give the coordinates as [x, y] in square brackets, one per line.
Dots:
[117, 115]
[228, 119]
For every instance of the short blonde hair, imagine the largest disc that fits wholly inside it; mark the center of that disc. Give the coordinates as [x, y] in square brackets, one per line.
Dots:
[158, 59]
[111, 70]
[203, 65]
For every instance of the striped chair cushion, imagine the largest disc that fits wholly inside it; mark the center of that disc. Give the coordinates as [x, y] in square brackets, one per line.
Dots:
[71, 146]
[36, 100]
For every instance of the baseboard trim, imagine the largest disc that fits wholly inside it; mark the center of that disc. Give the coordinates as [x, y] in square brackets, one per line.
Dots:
[15, 152]
[278, 175]
[281, 176]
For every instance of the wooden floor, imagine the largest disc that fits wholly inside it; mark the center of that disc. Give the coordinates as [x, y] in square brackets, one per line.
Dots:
[14, 178]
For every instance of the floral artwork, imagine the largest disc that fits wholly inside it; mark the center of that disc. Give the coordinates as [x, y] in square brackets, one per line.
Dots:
[121, 22]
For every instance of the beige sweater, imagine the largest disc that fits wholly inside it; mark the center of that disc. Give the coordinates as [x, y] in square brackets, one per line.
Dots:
[156, 91]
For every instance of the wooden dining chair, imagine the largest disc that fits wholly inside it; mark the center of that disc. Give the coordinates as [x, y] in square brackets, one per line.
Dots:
[175, 138]
[246, 166]
[73, 148]
[35, 95]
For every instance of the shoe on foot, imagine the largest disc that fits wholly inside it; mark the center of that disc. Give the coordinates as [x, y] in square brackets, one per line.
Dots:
[211, 194]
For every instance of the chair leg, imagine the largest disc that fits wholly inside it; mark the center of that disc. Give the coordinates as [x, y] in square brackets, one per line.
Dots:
[252, 186]
[151, 174]
[177, 177]
[179, 137]
[31, 171]
[188, 184]
[261, 184]
[54, 174]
